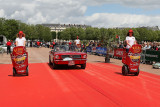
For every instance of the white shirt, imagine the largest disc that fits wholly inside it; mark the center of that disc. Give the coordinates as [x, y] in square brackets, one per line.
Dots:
[20, 41]
[77, 41]
[131, 40]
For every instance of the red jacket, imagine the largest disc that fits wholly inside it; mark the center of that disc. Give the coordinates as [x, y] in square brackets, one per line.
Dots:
[8, 43]
[53, 43]
[38, 43]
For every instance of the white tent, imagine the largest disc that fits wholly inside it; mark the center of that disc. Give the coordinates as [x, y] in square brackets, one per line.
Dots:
[3, 40]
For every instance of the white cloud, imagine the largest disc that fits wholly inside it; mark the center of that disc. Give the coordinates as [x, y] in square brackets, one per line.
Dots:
[72, 11]
[37, 18]
[2, 13]
[145, 4]
[117, 20]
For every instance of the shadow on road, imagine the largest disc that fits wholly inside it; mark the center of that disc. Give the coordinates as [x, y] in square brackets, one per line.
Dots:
[118, 73]
[65, 67]
[123, 75]
[18, 75]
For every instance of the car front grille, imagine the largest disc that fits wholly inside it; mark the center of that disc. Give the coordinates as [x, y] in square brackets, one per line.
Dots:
[71, 56]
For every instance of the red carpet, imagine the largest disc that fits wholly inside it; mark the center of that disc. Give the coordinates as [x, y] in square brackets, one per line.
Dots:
[99, 85]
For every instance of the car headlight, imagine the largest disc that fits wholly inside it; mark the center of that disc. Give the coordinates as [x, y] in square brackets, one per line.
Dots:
[56, 56]
[84, 56]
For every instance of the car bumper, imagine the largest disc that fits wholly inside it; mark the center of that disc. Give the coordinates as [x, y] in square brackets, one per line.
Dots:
[157, 67]
[76, 62]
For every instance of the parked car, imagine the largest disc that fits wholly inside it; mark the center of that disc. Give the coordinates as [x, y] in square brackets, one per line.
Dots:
[4, 47]
[67, 55]
[156, 65]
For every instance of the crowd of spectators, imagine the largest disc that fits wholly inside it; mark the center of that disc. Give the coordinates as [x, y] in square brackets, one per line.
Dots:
[145, 45]
[151, 45]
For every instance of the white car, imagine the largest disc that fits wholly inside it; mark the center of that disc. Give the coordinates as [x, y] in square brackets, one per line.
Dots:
[156, 65]
[4, 47]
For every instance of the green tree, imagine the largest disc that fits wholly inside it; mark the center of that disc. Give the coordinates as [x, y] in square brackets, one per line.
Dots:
[2, 21]
[73, 32]
[89, 33]
[10, 28]
[81, 33]
[66, 34]
[97, 34]
[54, 35]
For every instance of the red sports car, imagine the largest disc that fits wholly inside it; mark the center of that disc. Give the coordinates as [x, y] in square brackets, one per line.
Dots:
[67, 55]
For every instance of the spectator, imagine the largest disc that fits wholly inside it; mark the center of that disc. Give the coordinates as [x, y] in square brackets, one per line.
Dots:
[148, 46]
[30, 43]
[120, 45]
[154, 46]
[8, 47]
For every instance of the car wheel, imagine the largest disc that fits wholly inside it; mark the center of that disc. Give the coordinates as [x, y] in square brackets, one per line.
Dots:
[54, 65]
[27, 71]
[124, 70]
[50, 61]
[83, 66]
[137, 73]
[14, 72]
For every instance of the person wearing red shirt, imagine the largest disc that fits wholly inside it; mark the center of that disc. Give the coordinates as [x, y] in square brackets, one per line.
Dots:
[8, 47]
[38, 44]
[53, 44]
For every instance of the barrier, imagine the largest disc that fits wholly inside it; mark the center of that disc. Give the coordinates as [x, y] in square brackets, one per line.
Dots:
[118, 52]
[94, 49]
[89, 49]
[143, 60]
[152, 55]
[146, 55]
[101, 51]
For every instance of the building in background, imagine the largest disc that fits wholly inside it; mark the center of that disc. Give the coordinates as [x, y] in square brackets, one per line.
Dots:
[60, 27]
[154, 28]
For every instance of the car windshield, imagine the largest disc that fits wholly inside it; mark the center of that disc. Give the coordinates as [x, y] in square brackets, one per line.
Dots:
[64, 48]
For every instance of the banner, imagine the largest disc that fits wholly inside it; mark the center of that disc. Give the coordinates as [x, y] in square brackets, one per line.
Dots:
[89, 49]
[118, 53]
[152, 55]
[101, 50]
[93, 49]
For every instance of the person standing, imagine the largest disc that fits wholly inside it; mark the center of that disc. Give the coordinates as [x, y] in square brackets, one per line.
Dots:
[78, 43]
[30, 43]
[20, 40]
[130, 40]
[9, 47]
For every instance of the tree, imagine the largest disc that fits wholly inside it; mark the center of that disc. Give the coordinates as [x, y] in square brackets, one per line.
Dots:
[81, 33]
[65, 35]
[89, 33]
[54, 35]
[73, 32]
[2, 21]
[97, 34]
[10, 28]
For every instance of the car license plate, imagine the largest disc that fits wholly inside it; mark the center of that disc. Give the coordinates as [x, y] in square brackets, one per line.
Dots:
[67, 59]
[70, 63]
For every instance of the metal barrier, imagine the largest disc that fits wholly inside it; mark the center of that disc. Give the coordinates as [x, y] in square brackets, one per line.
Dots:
[152, 55]
[101, 51]
[147, 56]
[118, 53]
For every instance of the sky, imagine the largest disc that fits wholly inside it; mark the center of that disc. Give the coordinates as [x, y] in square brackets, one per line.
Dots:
[97, 13]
